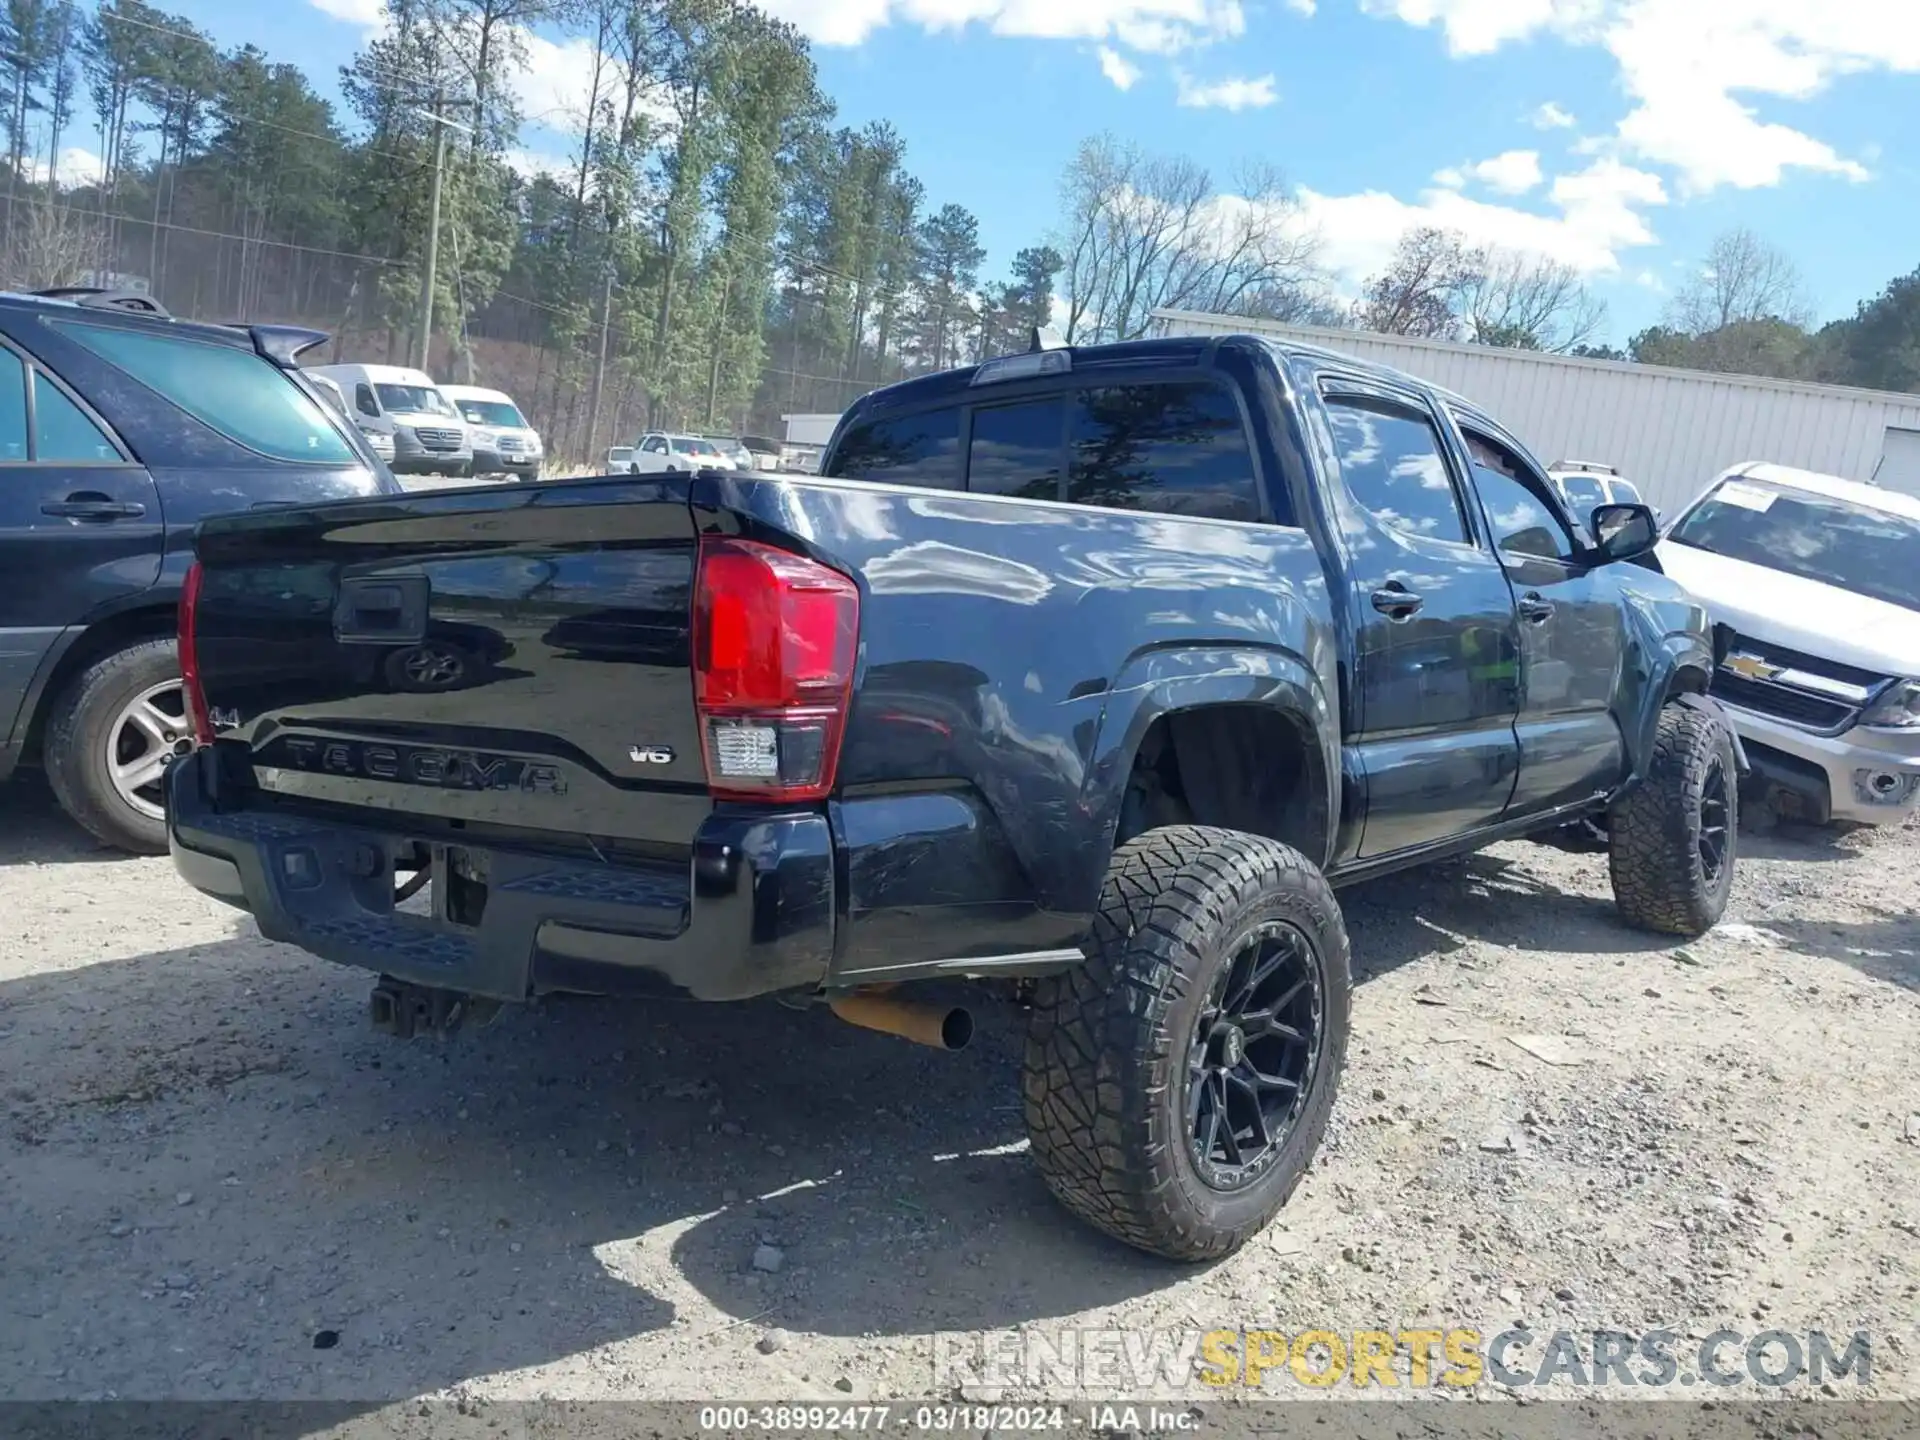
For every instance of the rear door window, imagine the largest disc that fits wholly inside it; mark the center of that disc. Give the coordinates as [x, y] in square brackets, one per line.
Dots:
[922, 450]
[1176, 448]
[231, 390]
[1017, 449]
[62, 432]
[13, 409]
[1393, 463]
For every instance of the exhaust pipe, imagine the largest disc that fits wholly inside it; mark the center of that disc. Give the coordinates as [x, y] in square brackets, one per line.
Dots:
[941, 1027]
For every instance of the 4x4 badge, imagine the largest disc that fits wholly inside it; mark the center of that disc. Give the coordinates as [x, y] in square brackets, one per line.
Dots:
[650, 754]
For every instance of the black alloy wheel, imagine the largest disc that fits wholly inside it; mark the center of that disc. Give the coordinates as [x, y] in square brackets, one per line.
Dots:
[1251, 1058]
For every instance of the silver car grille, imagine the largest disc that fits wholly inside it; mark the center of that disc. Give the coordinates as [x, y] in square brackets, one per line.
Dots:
[1804, 690]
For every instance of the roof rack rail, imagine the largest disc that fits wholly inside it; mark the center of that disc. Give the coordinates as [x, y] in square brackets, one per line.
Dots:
[99, 298]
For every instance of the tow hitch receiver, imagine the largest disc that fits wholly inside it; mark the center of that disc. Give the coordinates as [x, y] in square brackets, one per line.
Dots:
[402, 1010]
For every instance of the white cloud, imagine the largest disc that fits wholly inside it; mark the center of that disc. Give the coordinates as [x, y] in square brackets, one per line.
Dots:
[552, 89]
[367, 14]
[530, 163]
[1236, 94]
[1682, 63]
[1117, 68]
[1513, 172]
[1303, 7]
[1551, 117]
[1154, 26]
[1479, 27]
[1598, 218]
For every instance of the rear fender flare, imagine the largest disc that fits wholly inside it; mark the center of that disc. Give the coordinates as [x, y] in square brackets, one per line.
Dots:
[1163, 682]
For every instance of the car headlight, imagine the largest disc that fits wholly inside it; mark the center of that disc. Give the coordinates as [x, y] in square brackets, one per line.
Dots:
[1899, 708]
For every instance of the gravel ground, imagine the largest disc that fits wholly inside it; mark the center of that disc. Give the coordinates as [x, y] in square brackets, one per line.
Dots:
[217, 1181]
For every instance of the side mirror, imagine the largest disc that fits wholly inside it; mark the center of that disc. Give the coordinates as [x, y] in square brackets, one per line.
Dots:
[1623, 532]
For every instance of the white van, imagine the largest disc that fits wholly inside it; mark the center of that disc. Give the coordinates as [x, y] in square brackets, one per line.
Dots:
[503, 442]
[429, 437]
[378, 441]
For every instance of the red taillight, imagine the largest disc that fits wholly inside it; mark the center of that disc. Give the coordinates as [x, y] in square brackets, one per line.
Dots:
[190, 657]
[774, 640]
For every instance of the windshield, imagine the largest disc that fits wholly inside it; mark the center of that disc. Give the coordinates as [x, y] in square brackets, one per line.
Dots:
[422, 398]
[1583, 492]
[696, 447]
[1817, 537]
[493, 412]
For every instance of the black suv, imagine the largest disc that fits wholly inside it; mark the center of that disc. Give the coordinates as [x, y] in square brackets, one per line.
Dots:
[120, 429]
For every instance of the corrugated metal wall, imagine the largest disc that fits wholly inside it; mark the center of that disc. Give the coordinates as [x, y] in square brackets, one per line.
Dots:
[1670, 431]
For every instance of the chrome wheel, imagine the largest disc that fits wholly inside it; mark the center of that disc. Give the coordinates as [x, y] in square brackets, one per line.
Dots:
[427, 667]
[142, 741]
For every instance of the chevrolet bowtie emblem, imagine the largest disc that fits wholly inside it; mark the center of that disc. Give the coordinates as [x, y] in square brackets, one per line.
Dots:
[1749, 667]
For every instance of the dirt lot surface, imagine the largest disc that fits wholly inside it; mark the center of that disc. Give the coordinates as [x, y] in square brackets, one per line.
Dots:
[217, 1181]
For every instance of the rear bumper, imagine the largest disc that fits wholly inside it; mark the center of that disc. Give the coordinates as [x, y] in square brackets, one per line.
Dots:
[752, 914]
[1862, 775]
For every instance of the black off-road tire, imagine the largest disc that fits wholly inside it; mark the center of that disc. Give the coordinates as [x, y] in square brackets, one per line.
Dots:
[1662, 878]
[74, 746]
[1106, 1065]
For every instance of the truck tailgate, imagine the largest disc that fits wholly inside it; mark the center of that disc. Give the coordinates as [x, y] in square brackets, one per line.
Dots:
[516, 656]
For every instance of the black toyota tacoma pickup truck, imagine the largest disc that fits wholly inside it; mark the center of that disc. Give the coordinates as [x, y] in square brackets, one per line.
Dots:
[1093, 670]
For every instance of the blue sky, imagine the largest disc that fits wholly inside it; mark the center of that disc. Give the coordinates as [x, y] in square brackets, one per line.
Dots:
[1618, 136]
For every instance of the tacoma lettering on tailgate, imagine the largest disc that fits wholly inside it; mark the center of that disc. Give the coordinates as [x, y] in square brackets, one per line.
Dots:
[423, 765]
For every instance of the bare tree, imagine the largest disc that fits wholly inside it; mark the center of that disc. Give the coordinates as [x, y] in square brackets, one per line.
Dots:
[51, 245]
[1744, 279]
[1420, 290]
[1528, 302]
[1143, 232]
[1437, 285]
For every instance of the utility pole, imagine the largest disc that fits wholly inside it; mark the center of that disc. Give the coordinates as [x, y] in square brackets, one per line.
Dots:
[600, 365]
[440, 124]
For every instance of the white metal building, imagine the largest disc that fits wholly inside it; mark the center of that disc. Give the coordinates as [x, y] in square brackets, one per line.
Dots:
[810, 429]
[1669, 431]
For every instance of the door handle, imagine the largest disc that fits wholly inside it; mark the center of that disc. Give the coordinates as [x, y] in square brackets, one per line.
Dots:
[1533, 608]
[86, 506]
[1395, 601]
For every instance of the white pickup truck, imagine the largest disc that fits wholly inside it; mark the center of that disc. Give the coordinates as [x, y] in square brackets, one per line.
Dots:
[661, 452]
[1813, 585]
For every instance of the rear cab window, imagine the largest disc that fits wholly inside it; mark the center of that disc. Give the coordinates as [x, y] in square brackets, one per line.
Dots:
[1169, 447]
[922, 450]
[232, 390]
